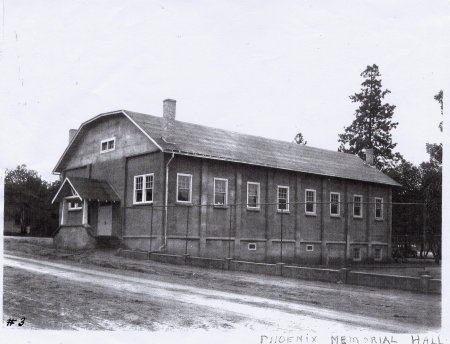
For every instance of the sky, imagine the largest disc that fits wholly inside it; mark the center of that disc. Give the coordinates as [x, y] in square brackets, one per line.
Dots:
[267, 68]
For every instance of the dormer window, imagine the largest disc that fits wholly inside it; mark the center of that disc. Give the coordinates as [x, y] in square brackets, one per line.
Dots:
[108, 145]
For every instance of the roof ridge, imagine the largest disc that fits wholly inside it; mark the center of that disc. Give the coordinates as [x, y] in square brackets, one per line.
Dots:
[250, 135]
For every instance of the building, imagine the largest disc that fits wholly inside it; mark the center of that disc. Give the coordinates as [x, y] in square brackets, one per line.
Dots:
[158, 184]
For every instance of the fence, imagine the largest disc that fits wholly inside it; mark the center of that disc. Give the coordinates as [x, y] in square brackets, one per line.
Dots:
[332, 233]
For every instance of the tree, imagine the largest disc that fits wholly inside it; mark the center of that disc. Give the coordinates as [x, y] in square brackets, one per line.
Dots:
[28, 201]
[432, 187]
[299, 139]
[373, 123]
[440, 98]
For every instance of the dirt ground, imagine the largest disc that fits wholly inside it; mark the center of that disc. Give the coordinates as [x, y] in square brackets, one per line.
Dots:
[125, 295]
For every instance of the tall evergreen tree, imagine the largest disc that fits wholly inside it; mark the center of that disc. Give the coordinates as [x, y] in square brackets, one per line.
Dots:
[373, 123]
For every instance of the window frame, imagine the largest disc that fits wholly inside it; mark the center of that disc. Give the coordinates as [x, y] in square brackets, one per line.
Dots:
[309, 248]
[74, 200]
[357, 249]
[338, 214]
[144, 188]
[381, 208]
[253, 244]
[190, 187]
[314, 212]
[226, 191]
[381, 254]
[258, 206]
[113, 139]
[287, 198]
[360, 206]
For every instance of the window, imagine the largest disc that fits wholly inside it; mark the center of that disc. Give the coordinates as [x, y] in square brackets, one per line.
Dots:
[357, 254]
[335, 206]
[357, 206]
[378, 208]
[309, 248]
[310, 201]
[220, 191]
[253, 195]
[75, 205]
[143, 189]
[283, 198]
[184, 188]
[252, 246]
[108, 145]
[377, 254]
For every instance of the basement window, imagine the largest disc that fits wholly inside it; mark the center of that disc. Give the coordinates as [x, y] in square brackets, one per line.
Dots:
[252, 246]
[309, 248]
[356, 254]
[143, 189]
[108, 145]
[377, 254]
[184, 188]
[378, 208]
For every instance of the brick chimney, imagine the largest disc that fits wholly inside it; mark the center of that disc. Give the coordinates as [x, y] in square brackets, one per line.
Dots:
[72, 133]
[169, 111]
[369, 156]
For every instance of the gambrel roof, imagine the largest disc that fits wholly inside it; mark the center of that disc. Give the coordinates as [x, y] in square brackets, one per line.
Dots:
[212, 143]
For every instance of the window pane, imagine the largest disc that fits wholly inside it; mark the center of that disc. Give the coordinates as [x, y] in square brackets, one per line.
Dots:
[138, 182]
[138, 195]
[111, 144]
[184, 182]
[282, 204]
[220, 186]
[183, 195]
[252, 189]
[149, 182]
[149, 195]
[104, 146]
[219, 198]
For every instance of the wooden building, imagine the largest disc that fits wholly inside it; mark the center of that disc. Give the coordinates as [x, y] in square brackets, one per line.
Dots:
[155, 183]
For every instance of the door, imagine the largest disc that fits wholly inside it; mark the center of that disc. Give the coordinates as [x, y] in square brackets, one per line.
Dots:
[104, 226]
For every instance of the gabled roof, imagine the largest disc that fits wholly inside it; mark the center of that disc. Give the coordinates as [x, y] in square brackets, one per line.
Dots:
[212, 143]
[84, 188]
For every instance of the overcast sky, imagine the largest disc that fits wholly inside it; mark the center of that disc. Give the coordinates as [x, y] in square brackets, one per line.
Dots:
[268, 68]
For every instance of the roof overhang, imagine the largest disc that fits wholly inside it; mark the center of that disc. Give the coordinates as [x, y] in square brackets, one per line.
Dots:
[86, 189]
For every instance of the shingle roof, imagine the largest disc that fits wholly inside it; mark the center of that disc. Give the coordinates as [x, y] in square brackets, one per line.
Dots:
[202, 141]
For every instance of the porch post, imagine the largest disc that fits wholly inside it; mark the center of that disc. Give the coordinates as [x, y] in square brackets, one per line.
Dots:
[85, 212]
[63, 210]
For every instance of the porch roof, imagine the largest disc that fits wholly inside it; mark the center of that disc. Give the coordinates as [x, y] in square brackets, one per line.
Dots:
[84, 188]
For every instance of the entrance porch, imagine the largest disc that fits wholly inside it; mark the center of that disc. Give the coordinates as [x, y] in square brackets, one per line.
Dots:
[89, 212]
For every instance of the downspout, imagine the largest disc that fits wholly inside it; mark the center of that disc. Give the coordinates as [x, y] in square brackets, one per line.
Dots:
[166, 203]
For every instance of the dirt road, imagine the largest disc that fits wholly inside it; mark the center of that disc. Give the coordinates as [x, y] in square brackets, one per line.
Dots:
[68, 296]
